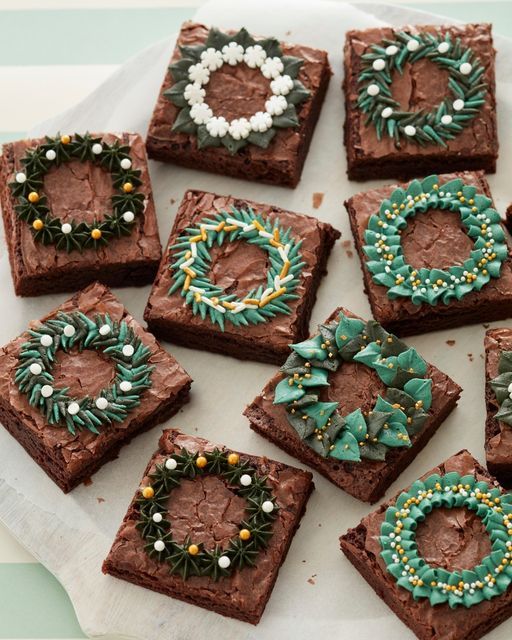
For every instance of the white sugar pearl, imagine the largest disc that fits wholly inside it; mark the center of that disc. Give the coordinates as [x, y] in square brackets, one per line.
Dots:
[443, 47]
[128, 216]
[21, 177]
[69, 331]
[465, 68]
[159, 545]
[412, 45]
[35, 369]
[446, 119]
[391, 50]
[379, 64]
[409, 130]
[46, 340]
[245, 480]
[171, 464]
[101, 403]
[267, 506]
[126, 164]
[387, 112]
[373, 90]
[157, 517]
[73, 408]
[125, 385]
[50, 154]
[66, 228]
[97, 148]
[458, 104]
[46, 391]
[128, 350]
[223, 562]
[104, 330]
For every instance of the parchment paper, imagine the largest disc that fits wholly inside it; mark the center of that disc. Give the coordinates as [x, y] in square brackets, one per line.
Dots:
[317, 592]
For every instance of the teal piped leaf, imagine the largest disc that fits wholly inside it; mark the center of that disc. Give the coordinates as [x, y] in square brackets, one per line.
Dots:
[504, 414]
[347, 329]
[412, 362]
[320, 412]
[311, 349]
[284, 392]
[356, 424]
[346, 447]
[500, 386]
[420, 389]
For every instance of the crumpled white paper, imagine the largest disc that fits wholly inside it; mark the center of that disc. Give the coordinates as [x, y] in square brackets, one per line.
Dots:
[317, 592]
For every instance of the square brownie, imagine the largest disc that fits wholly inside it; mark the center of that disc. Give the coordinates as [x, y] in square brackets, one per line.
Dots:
[418, 100]
[356, 391]
[77, 209]
[255, 84]
[235, 265]
[72, 399]
[451, 538]
[434, 238]
[498, 432]
[210, 526]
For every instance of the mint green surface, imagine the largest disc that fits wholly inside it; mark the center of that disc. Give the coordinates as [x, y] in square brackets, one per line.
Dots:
[34, 605]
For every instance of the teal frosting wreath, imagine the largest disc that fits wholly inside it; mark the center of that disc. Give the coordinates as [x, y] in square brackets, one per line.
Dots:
[67, 331]
[502, 387]
[191, 74]
[491, 578]
[393, 420]
[446, 120]
[32, 203]
[383, 247]
[191, 559]
[193, 260]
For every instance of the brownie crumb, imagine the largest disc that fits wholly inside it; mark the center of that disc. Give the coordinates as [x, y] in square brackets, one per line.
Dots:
[470, 356]
[312, 579]
[172, 200]
[87, 482]
[450, 343]
[486, 325]
[100, 500]
[318, 198]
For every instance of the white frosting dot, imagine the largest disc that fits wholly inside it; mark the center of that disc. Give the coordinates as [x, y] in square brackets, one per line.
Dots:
[21, 177]
[373, 90]
[66, 228]
[104, 330]
[128, 216]
[46, 340]
[465, 68]
[224, 562]
[379, 64]
[387, 112]
[391, 50]
[73, 408]
[69, 331]
[409, 130]
[97, 148]
[128, 350]
[125, 385]
[458, 104]
[412, 45]
[171, 464]
[446, 119]
[126, 164]
[443, 47]
[157, 517]
[35, 368]
[101, 403]
[46, 390]
[267, 506]
[159, 545]
[245, 480]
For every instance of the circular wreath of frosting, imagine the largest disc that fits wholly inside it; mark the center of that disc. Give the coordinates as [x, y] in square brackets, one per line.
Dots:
[32, 205]
[191, 74]
[394, 419]
[492, 577]
[443, 122]
[75, 331]
[189, 558]
[384, 251]
[190, 269]
[502, 387]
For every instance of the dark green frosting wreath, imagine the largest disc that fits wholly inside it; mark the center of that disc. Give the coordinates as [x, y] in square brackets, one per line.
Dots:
[75, 331]
[393, 420]
[192, 262]
[190, 559]
[384, 250]
[32, 204]
[490, 578]
[445, 121]
[502, 387]
[191, 75]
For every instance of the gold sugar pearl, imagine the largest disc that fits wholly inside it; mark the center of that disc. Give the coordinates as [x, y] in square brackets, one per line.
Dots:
[148, 492]
[233, 458]
[244, 534]
[193, 549]
[96, 234]
[201, 462]
[33, 197]
[38, 224]
[65, 139]
[127, 187]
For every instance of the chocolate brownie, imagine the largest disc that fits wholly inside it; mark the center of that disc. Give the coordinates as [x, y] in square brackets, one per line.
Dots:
[248, 90]
[362, 393]
[225, 557]
[439, 239]
[72, 399]
[498, 433]
[77, 209]
[238, 262]
[418, 100]
[451, 538]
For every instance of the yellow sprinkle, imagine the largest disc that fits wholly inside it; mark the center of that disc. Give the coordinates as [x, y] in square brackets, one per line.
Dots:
[285, 269]
[220, 226]
[228, 305]
[231, 227]
[272, 296]
[274, 243]
[196, 238]
[189, 272]
[251, 301]
[187, 282]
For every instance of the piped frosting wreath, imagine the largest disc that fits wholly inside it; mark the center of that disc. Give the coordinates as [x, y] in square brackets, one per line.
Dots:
[385, 256]
[192, 261]
[191, 558]
[192, 73]
[469, 587]
[32, 203]
[446, 120]
[395, 417]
